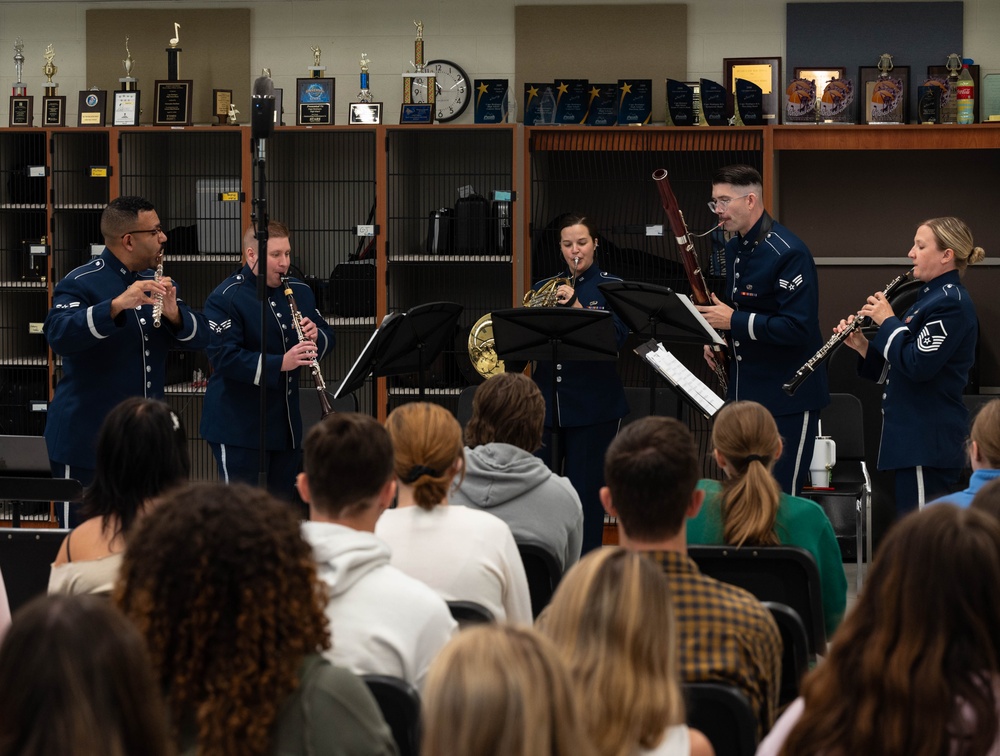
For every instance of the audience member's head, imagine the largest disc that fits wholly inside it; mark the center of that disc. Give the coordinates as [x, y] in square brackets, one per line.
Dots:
[348, 463]
[651, 470]
[75, 678]
[984, 440]
[224, 589]
[507, 409]
[142, 452]
[747, 445]
[500, 690]
[913, 668]
[612, 620]
[427, 441]
[987, 498]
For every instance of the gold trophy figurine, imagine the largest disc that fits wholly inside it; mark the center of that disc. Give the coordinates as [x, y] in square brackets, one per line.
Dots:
[50, 70]
[233, 112]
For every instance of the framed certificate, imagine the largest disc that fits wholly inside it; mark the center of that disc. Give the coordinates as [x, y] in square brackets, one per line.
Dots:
[126, 108]
[363, 113]
[173, 103]
[314, 102]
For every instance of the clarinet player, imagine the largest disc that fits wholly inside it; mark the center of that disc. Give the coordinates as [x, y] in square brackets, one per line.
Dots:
[231, 418]
[923, 359]
[771, 314]
[591, 397]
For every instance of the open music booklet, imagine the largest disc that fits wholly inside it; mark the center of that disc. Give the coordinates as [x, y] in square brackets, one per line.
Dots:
[693, 388]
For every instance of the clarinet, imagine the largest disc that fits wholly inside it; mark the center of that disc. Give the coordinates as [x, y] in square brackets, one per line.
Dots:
[324, 400]
[838, 338]
[158, 299]
[692, 268]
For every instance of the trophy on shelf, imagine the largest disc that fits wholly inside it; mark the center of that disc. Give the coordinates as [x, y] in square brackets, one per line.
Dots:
[53, 106]
[315, 96]
[885, 95]
[173, 96]
[20, 100]
[126, 106]
[365, 111]
[233, 112]
[419, 86]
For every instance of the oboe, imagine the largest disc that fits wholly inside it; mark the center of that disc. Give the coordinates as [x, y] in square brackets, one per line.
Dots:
[838, 338]
[158, 299]
[699, 287]
[324, 400]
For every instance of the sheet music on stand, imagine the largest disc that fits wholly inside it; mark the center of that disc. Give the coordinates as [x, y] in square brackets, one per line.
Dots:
[692, 387]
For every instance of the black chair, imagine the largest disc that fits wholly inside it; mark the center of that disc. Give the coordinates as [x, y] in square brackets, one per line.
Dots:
[311, 411]
[795, 650]
[400, 705]
[848, 505]
[785, 574]
[470, 613]
[724, 715]
[464, 413]
[26, 556]
[544, 573]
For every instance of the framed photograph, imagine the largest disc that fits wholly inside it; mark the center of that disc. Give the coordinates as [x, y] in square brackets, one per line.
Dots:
[314, 102]
[365, 113]
[940, 73]
[53, 110]
[21, 107]
[173, 103]
[885, 100]
[93, 108]
[765, 73]
[416, 112]
[126, 108]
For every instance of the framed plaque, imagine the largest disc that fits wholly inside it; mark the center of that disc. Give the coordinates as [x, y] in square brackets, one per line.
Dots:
[93, 108]
[314, 102]
[126, 108]
[21, 110]
[53, 110]
[221, 100]
[416, 112]
[173, 103]
[834, 92]
[765, 73]
[364, 113]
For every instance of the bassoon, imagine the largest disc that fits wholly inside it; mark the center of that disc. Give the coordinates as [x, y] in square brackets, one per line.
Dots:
[837, 339]
[692, 268]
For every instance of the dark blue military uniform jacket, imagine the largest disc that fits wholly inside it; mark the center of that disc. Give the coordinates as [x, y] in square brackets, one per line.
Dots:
[105, 361]
[923, 358]
[772, 284]
[232, 400]
[590, 392]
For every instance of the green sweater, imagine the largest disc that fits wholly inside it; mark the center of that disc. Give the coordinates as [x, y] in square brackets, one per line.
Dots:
[799, 522]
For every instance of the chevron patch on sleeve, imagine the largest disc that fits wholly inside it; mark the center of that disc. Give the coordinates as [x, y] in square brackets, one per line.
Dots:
[931, 336]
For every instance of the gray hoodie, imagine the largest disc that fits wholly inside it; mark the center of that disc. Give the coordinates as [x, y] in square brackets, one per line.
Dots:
[539, 506]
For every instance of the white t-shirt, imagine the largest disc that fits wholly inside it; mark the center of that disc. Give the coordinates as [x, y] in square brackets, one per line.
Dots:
[463, 554]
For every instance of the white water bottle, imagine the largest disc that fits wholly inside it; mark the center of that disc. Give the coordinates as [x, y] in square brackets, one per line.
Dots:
[823, 459]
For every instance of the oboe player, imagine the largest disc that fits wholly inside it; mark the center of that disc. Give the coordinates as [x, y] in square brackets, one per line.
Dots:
[231, 418]
[927, 353]
[771, 313]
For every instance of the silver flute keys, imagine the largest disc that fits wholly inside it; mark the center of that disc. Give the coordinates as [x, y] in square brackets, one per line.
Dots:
[158, 298]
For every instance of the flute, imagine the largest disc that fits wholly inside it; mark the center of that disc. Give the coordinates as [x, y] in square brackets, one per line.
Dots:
[324, 400]
[158, 299]
[837, 339]
[692, 268]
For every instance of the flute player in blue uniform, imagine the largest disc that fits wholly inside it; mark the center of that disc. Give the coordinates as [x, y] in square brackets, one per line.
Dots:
[101, 324]
[231, 418]
[591, 397]
[771, 313]
[923, 359]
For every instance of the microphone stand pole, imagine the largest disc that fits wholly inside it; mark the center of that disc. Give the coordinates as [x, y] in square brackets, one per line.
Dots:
[262, 125]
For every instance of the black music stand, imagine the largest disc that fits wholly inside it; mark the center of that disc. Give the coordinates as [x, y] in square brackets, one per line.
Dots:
[404, 343]
[554, 334]
[657, 312]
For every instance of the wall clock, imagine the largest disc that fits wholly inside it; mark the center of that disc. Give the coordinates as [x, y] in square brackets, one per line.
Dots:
[452, 88]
